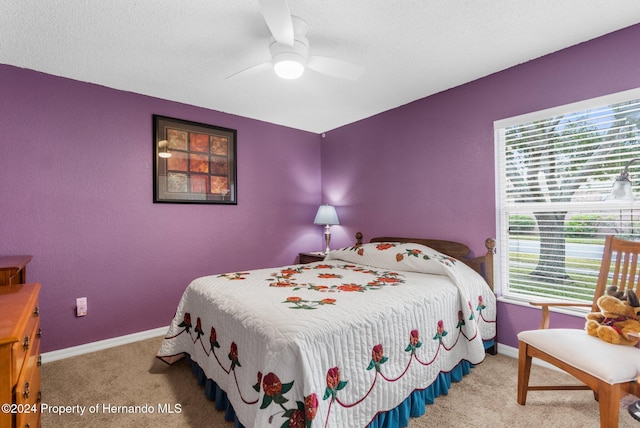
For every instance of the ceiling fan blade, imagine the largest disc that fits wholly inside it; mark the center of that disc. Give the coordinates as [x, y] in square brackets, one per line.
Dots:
[278, 18]
[335, 67]
[253, 70]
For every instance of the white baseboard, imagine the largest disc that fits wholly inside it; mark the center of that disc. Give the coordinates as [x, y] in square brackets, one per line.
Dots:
[48, 357]
[507, 351]
[510, 351]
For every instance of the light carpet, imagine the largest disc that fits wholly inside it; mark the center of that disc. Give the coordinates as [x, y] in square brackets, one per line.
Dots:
[130, 375]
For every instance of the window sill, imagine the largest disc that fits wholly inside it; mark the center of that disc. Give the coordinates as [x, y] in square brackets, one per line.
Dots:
[576, 312]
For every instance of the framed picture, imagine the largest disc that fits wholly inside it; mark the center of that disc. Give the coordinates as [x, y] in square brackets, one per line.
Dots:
[193, 162]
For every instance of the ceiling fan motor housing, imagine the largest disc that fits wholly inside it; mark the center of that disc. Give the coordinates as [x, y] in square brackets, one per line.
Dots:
[297, 52]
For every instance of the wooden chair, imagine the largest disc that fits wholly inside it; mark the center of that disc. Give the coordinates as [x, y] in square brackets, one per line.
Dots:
[611, 371]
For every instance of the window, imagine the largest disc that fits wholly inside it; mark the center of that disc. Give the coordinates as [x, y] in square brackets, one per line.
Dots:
[554, 168]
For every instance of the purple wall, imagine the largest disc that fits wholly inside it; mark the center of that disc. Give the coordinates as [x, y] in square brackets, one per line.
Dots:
[76, 180]
[427, 168]
[75, 174]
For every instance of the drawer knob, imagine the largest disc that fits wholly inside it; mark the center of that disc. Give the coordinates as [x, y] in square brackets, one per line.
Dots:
[36, 312]
[25, 394]
[25, 343]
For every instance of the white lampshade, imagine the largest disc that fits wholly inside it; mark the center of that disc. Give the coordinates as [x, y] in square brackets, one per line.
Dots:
[326, 215]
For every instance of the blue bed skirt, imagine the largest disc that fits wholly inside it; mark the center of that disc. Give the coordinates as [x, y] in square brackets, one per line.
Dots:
[412, 407]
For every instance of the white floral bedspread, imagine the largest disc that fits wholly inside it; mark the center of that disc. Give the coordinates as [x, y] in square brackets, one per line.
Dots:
[333, 343]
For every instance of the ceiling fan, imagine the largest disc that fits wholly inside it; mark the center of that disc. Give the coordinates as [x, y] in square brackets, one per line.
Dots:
[289, 48]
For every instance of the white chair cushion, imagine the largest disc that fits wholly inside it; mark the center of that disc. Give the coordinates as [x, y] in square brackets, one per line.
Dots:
[610, 363]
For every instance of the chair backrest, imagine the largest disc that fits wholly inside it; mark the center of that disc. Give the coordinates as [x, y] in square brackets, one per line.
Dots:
[619, 267]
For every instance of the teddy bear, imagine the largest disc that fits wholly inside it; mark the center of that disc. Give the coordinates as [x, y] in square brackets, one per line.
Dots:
[618, 321]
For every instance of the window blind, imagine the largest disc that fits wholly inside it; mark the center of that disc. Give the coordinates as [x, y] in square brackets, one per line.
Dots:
[554, 168]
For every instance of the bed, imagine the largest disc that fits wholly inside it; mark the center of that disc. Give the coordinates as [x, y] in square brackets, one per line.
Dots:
[366, 337]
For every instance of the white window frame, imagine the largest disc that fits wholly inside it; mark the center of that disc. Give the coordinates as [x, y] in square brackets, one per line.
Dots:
[502, 261]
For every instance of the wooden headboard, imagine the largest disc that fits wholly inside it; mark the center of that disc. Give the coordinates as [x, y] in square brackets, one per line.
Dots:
[482, 264]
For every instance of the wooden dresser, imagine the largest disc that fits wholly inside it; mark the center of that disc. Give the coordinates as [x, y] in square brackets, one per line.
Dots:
[13, 269]
[20, 356]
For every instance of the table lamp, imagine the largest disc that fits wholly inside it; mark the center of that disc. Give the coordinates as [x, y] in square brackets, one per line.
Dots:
[326, 215]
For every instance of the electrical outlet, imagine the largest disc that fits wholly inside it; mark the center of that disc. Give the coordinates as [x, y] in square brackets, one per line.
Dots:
[81, 306]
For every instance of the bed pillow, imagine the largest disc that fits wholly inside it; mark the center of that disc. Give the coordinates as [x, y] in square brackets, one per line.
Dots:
[395, 256]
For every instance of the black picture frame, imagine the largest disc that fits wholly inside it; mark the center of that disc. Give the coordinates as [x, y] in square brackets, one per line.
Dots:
[193, 163]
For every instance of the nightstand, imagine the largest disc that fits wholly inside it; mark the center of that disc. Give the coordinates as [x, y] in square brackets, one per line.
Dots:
[314, 256]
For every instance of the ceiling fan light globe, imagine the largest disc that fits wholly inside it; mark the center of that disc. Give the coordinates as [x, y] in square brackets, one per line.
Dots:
[289, 61]
[288, 69]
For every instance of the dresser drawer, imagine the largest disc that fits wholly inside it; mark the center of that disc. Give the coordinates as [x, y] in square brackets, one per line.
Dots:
[29, 339]
[28, 395]
[20, 355]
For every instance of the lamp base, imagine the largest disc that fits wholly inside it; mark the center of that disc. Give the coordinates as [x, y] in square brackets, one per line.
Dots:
[327, 239]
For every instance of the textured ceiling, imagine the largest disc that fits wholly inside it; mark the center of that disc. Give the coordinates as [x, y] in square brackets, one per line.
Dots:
[184, 50]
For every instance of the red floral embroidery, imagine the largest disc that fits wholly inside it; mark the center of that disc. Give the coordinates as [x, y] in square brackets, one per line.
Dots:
[300, 303]
[389, 279]
[377, 358]
[311, 406]
[334, 384]
[233, 356]
[333, 378]
[282, 284]
[296, 418]
[441, 332]
[350, 287]
[376, 353]
[414, 342]
[234, 275]
[274, 391]
[414, 337]
[382, 247]
[213, 339]
[329, 275]
[186, 322]
[198, 328]
[461, 321]
[272, 385]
